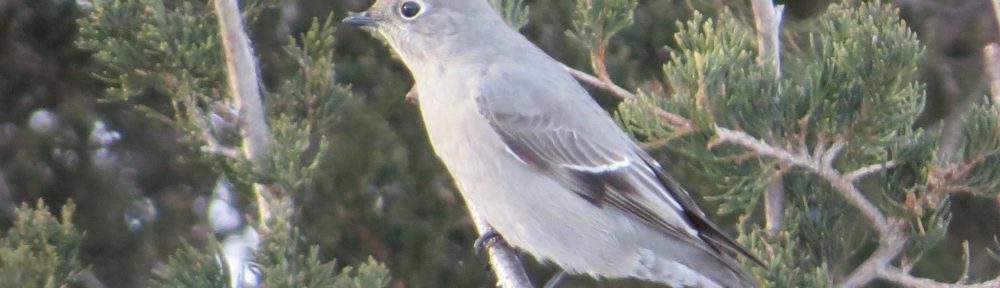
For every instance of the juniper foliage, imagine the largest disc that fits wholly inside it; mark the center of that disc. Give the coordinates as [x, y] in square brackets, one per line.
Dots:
[41, 250]
[152, 48]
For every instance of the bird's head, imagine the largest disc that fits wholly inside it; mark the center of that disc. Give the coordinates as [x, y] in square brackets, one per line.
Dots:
[415, 27]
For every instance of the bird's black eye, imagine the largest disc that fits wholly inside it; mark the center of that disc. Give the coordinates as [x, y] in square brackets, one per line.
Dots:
[409, 9]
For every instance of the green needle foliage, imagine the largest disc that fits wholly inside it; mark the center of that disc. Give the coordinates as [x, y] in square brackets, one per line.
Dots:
[351, 169]
[850, 79]
[283, 265]
[40, 250]
[512, 11]
[595, 21]
[172, 52]
[979, 172]
[191, 267]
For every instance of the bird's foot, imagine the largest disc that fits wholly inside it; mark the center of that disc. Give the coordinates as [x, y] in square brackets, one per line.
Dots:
[486, 240]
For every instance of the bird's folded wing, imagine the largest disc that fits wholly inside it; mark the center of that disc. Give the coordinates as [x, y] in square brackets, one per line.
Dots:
[625, 178]
[615, 177]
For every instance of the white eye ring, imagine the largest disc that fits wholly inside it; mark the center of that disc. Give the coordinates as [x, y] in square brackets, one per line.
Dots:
[411, 9]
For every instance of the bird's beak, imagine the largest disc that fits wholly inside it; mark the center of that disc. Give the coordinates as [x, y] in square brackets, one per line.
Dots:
[360, 19]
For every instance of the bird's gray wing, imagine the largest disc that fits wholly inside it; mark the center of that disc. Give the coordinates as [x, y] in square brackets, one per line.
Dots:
[604, 171]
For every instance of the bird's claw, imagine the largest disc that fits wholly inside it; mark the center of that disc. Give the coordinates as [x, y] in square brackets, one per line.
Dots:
[487, 239]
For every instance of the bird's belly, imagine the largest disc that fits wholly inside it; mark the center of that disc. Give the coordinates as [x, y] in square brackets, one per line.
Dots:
[537, 214]
[529, 209]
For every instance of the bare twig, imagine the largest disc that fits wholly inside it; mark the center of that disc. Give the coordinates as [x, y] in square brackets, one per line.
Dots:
[244, 89]
[597, 82]
[682, 123]
[891, 240]
[889, 247]
[868, 170]
[895, 275]
[503, 259]
[846, 188]
[774, 205]
[767, 19]
[597, 61]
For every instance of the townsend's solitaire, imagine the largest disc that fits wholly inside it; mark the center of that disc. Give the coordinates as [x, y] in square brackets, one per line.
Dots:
[539, 159]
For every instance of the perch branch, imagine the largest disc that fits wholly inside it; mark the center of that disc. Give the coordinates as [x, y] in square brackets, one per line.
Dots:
[242, 75]
[503, 259]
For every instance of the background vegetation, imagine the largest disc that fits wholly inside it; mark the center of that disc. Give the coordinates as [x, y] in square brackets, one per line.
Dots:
[117, 114]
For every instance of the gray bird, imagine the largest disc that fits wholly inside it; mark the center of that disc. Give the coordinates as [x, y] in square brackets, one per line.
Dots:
[540, 160]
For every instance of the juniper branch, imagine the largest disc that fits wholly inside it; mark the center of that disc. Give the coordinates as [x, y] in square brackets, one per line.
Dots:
[897, 276]
[870, 169]
[506, 266]
[682, 123]
[767, 20]
[243, 79]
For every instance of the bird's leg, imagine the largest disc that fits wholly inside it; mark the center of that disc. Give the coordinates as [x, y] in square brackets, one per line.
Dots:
[487, 239]
[554, 281]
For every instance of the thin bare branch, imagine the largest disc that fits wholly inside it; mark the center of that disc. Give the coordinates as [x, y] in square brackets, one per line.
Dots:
[831, 153]
[243, 79]
[868, 170]
[683, 123]
[897, 276]
[891, 241]
[890, 246]
[850, 193]
[774, 205]
[597, 82]
[597, 61]
[767, 19]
